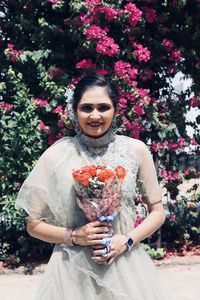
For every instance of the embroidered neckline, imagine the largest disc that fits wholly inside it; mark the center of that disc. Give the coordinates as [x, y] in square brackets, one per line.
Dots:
[103, 141]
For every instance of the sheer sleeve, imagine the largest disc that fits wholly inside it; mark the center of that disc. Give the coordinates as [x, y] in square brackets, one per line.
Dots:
[48, 192]
[147, 178]
[36, 191]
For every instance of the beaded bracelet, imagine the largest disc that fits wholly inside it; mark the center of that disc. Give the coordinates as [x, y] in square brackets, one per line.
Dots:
[68, 237]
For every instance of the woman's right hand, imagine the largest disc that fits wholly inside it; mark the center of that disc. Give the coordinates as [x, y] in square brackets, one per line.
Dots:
[91, 234]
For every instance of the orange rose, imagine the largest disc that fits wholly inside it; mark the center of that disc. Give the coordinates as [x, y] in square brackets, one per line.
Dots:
[89, 169]
[105, 175]
[120, 172]
[83, 178]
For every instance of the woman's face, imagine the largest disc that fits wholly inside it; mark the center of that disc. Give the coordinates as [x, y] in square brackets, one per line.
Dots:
[95, 112]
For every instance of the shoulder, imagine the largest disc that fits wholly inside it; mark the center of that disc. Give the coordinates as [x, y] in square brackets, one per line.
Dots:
[136, 144]
[63, 147]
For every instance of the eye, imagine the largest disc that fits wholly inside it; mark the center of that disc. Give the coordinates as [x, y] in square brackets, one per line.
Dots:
[86, 108]
[103, 107]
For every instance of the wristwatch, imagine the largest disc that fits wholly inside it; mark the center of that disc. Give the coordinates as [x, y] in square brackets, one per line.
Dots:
[129, 242]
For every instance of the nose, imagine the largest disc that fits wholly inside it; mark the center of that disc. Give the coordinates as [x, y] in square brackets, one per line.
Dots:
[95, 115]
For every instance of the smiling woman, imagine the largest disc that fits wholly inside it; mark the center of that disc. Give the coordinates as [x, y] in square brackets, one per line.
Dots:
[95, 112]
[94, 260]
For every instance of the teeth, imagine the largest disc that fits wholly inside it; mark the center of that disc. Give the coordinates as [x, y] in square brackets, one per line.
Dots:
[95, 124]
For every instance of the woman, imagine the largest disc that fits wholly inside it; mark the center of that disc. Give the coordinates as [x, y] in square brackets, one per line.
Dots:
[77, 268]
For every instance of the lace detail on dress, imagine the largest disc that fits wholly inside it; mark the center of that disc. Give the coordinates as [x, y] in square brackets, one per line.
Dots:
[112, 150]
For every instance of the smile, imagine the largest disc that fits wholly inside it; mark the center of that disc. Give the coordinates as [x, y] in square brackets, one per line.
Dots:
[95, 124]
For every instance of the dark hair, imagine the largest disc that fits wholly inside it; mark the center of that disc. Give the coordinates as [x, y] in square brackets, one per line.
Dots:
[90, 81]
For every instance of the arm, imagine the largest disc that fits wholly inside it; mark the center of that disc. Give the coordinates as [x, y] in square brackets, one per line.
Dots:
[152, 195]
[87, 235]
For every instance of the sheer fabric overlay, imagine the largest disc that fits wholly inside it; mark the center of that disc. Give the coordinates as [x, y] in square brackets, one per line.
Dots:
[48, 194]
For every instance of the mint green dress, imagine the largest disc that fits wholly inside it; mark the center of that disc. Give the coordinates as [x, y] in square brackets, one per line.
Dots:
[48, 194]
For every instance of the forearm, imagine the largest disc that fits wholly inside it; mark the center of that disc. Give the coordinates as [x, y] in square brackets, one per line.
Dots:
[89, 234]
[45, 232]
[151, 223]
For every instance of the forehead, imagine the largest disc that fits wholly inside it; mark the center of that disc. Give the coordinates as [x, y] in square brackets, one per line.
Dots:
[95, 95]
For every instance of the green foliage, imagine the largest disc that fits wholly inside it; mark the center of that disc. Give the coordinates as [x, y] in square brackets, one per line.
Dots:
[154, 253]
[182, 223]
[41, 45]
[15, 243]
[21, 138]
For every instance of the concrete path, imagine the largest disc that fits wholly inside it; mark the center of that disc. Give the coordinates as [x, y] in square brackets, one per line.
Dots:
[182, 277]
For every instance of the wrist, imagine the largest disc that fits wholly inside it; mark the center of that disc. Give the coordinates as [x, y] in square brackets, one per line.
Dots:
[73, 237]
[68, 241]
[129, 242]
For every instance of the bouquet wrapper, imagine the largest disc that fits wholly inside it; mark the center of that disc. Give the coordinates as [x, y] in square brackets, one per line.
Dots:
[105, 208]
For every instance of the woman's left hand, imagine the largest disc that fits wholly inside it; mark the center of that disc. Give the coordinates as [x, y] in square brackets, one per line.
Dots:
[118, 246]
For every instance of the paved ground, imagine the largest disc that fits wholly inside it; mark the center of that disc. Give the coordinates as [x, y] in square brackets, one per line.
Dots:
[181, 275]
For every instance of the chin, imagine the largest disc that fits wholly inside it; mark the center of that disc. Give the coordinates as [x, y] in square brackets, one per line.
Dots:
[95, 134]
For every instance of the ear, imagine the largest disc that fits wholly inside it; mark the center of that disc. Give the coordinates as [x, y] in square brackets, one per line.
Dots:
[116, 111]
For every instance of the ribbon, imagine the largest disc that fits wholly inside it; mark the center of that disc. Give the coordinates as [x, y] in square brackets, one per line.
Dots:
[107, 243]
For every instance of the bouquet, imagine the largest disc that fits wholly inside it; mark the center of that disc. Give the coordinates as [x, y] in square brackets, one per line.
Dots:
[98, 191]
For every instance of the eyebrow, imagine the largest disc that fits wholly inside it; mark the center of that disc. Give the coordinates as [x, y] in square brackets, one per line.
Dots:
[103, 103]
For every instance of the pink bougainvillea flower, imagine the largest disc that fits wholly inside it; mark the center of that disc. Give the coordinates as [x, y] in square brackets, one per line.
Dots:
[168, 44]
[142, 53]
[43, 127]
[134, 13]
[138, 221]
[138, 109]
[195, 102]
[95, 32]
[6, 106]
[110, 13]
[40, 102]
[85, 64]
[154, 147]
[53, 1]
[175, 56]
[10, 46]
[57, 110]
[123, 69]
[93, 2]
[13, 54]
[150, 14]
[107, 46]
[181, 143]
[194, 142]
[86, 19]
[55, 72]
[122, 103]
[102, 72]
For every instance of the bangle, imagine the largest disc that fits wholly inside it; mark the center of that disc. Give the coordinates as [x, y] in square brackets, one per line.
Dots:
[68, 237]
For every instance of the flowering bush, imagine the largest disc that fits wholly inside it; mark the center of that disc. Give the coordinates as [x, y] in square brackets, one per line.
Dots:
[141, 44]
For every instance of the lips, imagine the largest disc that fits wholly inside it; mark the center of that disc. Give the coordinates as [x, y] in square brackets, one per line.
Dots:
[95, 124]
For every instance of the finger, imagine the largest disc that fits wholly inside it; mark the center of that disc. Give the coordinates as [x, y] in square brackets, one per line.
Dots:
[110, 261]
[101, 229]
[98, 236]
[99, 259]
[96, 242]
[97, 252]
[96, 247]
[99, 223]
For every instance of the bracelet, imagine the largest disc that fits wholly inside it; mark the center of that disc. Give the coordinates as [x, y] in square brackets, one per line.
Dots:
[68, 237]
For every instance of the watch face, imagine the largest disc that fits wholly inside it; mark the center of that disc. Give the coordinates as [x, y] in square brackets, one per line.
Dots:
[130, 242]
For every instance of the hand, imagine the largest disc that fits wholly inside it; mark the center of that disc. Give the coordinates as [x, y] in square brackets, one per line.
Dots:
[90, 234]
[118, 246]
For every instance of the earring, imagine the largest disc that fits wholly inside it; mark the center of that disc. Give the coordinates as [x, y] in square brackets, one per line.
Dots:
[77, 128]
[114, 124]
